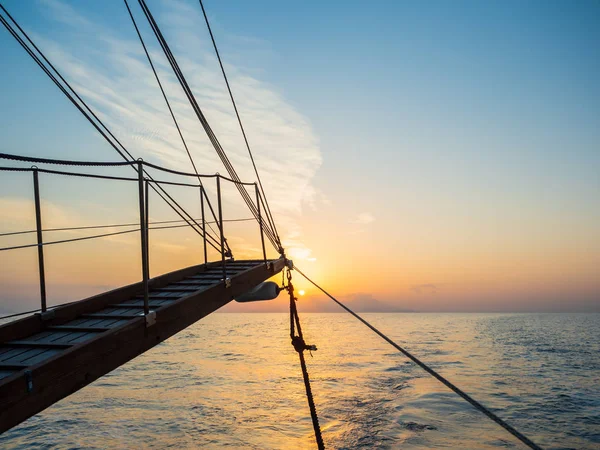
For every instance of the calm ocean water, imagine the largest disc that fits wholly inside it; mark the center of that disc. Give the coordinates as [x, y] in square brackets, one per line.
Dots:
[233, 380]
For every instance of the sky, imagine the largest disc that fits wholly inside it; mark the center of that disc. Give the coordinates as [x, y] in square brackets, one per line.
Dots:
[423, 156]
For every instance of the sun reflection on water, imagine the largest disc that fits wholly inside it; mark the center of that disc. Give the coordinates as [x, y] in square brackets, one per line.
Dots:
[234, 380]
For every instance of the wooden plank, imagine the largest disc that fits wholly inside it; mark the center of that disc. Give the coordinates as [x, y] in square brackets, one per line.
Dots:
[32, 324]
[241, 265]
[196, 286]
[53, 338]
[204, 277]
[94, 322]
[207, 277]
[76, 338]
[23, 356]
[44, 355]
[110, 316]
[219, 271]
[4, 373]
[50, 336]
[76, 328]
[20, 328]
[179, 289]
[156, 300]
[4, 350]
[11, 353]
[76, 367]
[131, 310]
[198, 282]
[123, 312]
[159, 296]
[4, 366]
[139, 306]
[38, 344]
[29, 357]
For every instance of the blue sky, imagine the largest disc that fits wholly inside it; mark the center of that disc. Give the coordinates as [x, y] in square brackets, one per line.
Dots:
[448, 124]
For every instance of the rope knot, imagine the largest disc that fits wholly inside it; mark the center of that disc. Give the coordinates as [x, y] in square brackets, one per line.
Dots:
[300, 345]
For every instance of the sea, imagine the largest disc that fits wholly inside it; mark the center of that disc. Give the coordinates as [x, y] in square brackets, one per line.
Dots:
[234, 381]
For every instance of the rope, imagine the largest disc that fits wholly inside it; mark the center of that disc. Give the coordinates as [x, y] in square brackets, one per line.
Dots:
[172, 115]
[299, 345]
[69, 162]
[84, 238]
[64, 162]
[89, 114]
[268, 208]
[524, 439]
[118, 225]
[62, 172]
[188, 174]
[200, 115]
[188, 220]
[160, 85]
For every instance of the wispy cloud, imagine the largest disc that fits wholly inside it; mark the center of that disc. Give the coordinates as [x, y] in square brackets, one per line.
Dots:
[18, 214]
[359, 224]
[364, 218]
[108, 67]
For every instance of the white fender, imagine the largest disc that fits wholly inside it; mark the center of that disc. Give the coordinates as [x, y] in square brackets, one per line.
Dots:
[267, 290]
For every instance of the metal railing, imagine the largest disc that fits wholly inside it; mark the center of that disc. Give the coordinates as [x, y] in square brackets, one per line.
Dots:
[144, 183]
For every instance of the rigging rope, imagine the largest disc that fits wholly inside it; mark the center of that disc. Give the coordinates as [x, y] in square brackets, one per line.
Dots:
[85, 238]
[191, 98]
[207, 128]
[164, 94]
[268, 208]
[118, 225]
[214, 243]
[295, 328]
[299, 345]
[65, 162]
[62, 172]
[524, 439]
[89, 114]
[69, 162]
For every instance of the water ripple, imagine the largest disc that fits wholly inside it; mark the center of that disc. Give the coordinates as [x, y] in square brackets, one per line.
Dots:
[233, 381]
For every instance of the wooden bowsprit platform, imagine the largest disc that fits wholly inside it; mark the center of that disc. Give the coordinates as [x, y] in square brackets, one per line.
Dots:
[44, 358]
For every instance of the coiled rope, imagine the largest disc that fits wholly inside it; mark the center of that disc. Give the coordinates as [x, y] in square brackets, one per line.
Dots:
[524, 439]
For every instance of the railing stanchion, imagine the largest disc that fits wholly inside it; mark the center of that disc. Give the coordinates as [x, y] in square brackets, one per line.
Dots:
[146, 224]
[40, 241]
[143, 234]
[202, 194]
[220, 205]
[260, 223]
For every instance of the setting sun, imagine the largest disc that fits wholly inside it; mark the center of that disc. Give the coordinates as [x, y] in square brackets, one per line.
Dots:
[301, 292]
